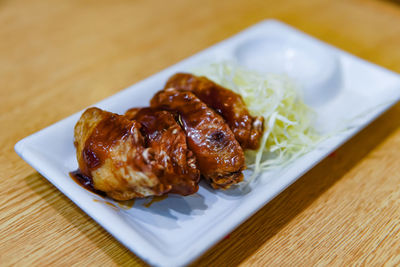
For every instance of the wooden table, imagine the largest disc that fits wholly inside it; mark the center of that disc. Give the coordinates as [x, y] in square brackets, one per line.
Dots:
[57, 57]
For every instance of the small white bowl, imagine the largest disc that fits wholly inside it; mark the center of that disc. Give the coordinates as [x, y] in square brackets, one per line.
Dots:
[316, 69]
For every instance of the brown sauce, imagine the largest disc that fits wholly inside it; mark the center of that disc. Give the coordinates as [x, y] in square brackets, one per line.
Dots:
[217, 151]
[107, 203]
[127, 204]
[154, 200]
[225, 102]
[86, 182]
[108, 131]
[164, 136]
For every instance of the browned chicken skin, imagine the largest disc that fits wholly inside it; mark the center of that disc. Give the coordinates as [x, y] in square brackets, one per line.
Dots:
[111, 150]
[168, 142]
[219, 155]
[194, 125]
[247, 129]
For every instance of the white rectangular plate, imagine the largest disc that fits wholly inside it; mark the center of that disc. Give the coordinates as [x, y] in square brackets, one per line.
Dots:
[177, 230]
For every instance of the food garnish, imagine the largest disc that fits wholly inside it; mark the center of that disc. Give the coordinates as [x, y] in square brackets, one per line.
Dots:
[289, 123]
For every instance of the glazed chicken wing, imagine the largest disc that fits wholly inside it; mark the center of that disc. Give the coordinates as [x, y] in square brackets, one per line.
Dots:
[113, 153]
[168, 142]
[219, 155]
[247, 129]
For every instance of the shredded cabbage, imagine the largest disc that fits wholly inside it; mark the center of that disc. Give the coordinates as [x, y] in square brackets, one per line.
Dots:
[288, 126]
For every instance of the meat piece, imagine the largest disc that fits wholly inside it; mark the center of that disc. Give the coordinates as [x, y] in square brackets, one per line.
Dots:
[112, 152]
[247, 129]
[168, 142]
[219, 155]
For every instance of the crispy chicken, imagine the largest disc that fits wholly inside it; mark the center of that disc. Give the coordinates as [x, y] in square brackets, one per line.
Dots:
[112, 151]
[194, 127]
[247, 129]
[219, 155]
[168, 142]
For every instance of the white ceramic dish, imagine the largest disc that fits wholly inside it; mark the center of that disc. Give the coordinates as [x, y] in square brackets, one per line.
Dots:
[177, 230]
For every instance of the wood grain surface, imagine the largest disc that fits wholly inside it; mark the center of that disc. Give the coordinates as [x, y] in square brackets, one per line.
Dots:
[57, 57]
